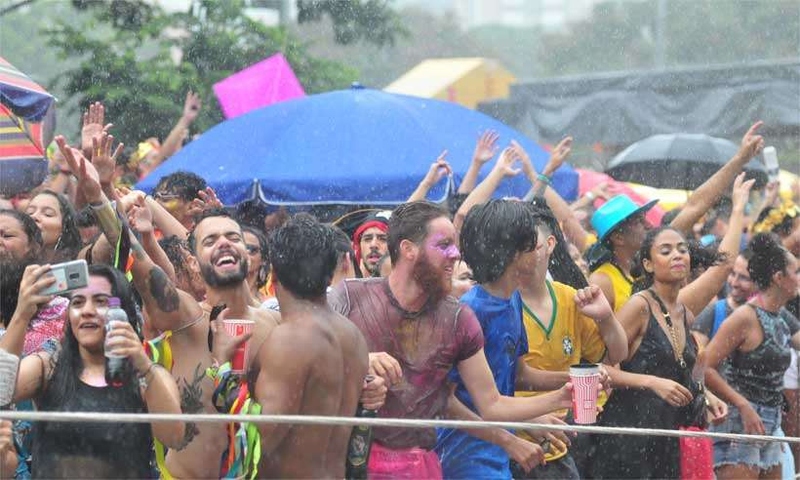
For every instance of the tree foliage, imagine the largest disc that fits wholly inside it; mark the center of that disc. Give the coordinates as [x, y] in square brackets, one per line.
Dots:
[141, 61]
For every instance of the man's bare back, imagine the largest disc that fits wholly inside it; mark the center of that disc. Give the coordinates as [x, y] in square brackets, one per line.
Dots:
[313, 363]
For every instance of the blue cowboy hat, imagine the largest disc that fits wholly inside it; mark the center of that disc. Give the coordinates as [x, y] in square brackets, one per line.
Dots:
[614, 212]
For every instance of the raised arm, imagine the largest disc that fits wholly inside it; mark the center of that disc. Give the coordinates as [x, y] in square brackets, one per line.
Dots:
[696, 295]
[140, 220]
[485, 150]
[483, 192]
[709, 192]
[439, 169]
[571, 226]
[174, 141]
[592, 302]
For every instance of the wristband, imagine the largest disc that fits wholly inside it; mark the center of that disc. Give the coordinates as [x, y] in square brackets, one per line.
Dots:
[543, 178]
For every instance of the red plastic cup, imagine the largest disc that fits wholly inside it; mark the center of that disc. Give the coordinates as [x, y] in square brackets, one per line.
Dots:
[584, 377]
[236, 328]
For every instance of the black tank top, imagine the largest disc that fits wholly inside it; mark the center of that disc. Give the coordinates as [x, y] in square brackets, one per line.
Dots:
[758, 375]
[92, 450]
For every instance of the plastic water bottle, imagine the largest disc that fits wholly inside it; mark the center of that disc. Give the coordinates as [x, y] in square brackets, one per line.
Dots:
[116, 365]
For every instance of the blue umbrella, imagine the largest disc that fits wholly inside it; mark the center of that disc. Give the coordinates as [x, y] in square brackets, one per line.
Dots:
[356, 146]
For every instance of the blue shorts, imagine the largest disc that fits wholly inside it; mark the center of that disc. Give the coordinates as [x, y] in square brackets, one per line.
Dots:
[760, 455]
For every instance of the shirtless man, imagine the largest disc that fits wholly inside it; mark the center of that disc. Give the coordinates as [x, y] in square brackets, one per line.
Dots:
[313, 363]
[218, 252]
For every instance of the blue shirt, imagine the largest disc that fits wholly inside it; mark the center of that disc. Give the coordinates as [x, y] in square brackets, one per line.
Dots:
[462, 455]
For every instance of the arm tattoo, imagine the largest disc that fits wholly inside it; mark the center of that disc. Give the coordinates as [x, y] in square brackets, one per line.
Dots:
[191, 402]
[162, 290]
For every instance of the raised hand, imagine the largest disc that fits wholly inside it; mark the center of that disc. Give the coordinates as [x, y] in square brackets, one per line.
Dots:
[741, 191]
[525, 159]
[602, 191]
[559, 155]
[88, 179]
[505, 164]
[93, 126]
[140, 217]
[103, 160]
[771, 191]
[752, 143]
[486, 148]
[207, 200]
[439, 169]
[592, 303]
[191, 107]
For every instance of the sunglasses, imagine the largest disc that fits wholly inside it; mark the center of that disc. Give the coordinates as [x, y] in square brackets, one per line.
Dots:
[166, 197]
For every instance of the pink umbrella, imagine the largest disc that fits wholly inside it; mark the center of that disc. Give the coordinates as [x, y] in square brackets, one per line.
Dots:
[588, 179]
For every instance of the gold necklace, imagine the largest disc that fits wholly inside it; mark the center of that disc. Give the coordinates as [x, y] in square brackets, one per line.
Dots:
[673, 335]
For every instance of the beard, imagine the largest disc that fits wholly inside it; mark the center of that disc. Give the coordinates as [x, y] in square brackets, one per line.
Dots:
[11, 270]
[430, 279]
[231, 279]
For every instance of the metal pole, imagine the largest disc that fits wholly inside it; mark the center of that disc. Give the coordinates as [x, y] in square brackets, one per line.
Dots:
[661, 23]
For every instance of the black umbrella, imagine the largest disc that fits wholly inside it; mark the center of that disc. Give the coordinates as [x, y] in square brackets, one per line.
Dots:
[680, 161]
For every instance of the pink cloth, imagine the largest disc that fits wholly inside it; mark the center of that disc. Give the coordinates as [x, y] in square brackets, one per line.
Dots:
[48, 324]
[264, 83]
[411, 463]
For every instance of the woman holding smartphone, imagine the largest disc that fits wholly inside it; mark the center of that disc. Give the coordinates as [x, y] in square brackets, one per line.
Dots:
[73, 379]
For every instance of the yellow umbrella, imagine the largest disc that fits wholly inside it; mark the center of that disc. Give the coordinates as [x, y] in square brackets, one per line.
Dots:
[668, 198]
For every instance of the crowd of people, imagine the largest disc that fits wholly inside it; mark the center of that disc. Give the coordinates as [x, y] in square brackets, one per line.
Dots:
[474, 310]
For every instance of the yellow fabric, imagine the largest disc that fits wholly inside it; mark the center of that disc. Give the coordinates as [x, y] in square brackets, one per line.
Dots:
[572, 337]
[623, 287]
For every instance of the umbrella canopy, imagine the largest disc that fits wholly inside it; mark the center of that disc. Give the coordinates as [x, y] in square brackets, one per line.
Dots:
[590, 179]
[27, 121]
[681, 161]
[353, 147]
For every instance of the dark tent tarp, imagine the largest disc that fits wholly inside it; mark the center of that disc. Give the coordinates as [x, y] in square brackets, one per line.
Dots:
[621, 108]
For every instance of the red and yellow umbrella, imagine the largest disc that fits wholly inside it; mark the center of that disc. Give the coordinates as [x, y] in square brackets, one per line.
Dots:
[27, 121]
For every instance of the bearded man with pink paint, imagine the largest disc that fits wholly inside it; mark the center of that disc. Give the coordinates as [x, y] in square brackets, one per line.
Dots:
[416, 333]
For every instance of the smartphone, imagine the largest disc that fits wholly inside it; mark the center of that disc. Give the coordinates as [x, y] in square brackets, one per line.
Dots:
[69, 276]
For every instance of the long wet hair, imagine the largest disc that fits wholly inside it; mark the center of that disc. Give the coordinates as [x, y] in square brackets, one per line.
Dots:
[561, 266]
[9, 295]
[66, 363]
[69, 243]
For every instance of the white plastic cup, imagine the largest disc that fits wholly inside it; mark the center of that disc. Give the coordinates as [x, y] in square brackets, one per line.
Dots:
[236, 328]
[584, 377]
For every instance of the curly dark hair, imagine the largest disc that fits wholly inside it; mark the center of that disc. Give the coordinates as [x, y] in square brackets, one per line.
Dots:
[70, 242]
[303, 256]
[768, 258]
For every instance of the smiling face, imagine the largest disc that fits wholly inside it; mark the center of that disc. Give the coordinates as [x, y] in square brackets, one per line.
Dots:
[220, 252]
[669, 257]
[87, 313]
[739, 281]
[46, 212]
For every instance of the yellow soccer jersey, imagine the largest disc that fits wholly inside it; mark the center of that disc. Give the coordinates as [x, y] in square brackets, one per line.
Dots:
[572, 337]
